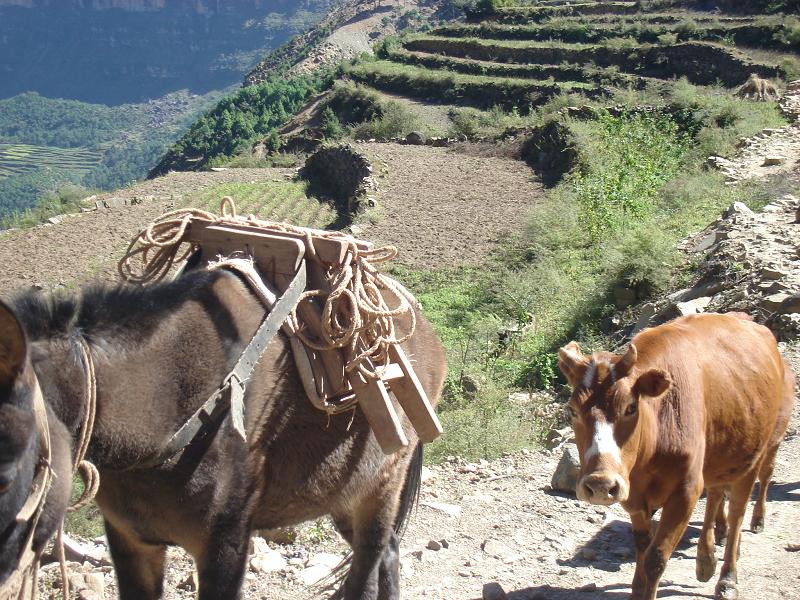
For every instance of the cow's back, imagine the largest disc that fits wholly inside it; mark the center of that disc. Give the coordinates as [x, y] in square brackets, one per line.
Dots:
[728, 386]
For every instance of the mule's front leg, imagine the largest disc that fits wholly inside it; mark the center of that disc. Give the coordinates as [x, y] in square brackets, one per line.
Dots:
[221, 566]
[674, 518]
[139, 566]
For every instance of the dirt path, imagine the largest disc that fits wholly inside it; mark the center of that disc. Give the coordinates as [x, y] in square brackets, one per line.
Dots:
[770, 152]
[88, 245]
[443, 208]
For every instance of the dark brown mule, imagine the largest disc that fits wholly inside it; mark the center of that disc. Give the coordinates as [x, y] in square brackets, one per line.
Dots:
[19, 451]
[159, 353]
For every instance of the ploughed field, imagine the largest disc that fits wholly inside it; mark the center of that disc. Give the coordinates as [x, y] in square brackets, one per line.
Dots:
[523, 56]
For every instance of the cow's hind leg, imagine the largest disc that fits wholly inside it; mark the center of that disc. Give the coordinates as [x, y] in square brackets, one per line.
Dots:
[706, 561]
[721, 524]
[389, 567]
[764, 477]
[727, 588]
[139, 566]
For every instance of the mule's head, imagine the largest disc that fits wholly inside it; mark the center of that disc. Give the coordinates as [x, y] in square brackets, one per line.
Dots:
[604, 409]
[19, 449]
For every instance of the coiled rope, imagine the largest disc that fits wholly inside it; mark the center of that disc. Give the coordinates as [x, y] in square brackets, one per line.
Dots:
[355, 314]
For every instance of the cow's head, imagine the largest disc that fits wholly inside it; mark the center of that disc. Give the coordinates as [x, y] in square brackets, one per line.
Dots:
[604, 409]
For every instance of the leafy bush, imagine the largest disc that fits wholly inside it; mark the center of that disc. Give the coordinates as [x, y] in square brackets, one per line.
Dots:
[329, 124]
[640, 154]
[395, 121]
[465, 122]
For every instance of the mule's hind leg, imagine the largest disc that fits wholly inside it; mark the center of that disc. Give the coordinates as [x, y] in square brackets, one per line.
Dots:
[389, 567]
[222, 564]
[139, 566]
[764, 477]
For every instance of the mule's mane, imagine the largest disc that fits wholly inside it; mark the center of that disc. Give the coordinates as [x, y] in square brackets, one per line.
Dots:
[98, 312]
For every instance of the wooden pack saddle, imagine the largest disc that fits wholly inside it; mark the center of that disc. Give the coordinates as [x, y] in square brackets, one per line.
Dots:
[328, 375]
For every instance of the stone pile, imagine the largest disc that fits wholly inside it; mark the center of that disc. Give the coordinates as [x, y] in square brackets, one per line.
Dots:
[749, 262]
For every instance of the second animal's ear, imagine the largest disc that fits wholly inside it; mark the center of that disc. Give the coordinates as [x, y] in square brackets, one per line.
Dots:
[653, 383]
[13, 348]
[572, 363]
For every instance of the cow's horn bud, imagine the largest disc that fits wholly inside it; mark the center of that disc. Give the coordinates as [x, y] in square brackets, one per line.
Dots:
[626, 363]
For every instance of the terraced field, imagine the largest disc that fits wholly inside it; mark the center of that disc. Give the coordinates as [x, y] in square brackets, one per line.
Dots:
[16, 159]
[269, 200]
[522, 56]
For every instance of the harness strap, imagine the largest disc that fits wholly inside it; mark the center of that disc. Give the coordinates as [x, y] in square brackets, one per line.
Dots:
[230, 395]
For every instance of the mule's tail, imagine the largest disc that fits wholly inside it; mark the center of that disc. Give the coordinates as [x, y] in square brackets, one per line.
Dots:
[409, 497]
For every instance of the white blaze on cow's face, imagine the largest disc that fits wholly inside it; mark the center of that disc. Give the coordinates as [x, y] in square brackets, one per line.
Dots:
[604, 409]
[603, 443]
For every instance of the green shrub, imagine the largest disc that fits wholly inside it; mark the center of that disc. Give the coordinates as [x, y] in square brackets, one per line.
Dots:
[465, 122]
[395, 121]
[668, 39]
[639, 154]
[354, 104]
[329, 124]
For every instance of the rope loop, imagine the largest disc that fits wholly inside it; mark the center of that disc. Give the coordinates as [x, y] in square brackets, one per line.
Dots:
[358, 311]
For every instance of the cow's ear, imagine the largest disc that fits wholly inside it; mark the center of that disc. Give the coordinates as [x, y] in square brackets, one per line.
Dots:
[13, 348]
[653, 383]
[572, 363]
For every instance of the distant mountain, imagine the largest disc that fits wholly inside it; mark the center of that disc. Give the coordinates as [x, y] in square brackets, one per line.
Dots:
[128, 51]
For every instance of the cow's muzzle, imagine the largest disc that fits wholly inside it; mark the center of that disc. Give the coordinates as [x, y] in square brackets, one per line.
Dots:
[602, 488]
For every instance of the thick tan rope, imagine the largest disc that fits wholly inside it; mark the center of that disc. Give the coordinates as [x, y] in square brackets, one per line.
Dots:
[355, 314]
[87, 471]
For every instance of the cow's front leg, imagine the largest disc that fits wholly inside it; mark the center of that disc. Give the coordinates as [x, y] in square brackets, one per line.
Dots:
[641, 523]
[674, 518]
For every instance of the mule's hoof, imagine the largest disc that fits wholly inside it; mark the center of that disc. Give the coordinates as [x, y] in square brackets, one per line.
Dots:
[757, 524]
[705, 569]
[727, 590]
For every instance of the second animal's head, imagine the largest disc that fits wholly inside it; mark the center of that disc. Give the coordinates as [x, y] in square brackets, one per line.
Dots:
[605, 414]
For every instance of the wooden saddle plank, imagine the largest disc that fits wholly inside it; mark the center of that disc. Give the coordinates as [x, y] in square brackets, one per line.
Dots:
[412, 397]
[272, 254]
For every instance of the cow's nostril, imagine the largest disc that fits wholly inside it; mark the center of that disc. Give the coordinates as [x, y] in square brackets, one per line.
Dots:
[614, 491]
[589, 490]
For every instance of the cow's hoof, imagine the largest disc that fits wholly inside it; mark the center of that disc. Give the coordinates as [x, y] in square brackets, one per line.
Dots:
[757, 524]
[727, 590]
[705, 568]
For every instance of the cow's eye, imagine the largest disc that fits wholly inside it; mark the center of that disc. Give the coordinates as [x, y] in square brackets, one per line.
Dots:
[631, 409]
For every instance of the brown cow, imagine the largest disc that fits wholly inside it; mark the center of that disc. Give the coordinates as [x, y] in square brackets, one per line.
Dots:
[702, 401]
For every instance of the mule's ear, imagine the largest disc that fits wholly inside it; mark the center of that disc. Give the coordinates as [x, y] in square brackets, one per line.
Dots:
[13, 348]
[653, 383]
[572, 362]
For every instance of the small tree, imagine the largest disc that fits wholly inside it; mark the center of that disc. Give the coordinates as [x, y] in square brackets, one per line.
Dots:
[273, 141]
[330, 126]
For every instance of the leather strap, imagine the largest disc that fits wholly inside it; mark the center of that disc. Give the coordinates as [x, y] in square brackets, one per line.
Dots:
[230, 395]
